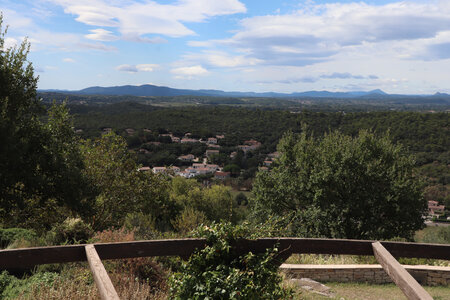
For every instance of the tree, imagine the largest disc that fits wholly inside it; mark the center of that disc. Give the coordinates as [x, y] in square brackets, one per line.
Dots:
[120, 188]
[39, 163]
[342, 187]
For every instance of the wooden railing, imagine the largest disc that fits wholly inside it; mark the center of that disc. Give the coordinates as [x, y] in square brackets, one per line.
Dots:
[14, 259]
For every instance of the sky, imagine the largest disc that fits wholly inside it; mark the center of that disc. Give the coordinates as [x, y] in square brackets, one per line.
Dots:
[236, 45]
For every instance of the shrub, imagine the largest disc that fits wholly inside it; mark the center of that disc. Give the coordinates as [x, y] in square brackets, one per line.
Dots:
[219, 272]
[188, 220]
[9, 235]
[11, 287]
[71, 231]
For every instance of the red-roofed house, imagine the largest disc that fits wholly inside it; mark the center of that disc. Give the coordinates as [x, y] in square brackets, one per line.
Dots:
[222, 175]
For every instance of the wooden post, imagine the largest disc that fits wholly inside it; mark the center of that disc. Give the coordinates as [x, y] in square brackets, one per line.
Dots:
[409, 286]
[102, 280]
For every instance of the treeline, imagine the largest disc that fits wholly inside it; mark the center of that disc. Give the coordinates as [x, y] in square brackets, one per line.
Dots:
[425, 134]
[330, 104]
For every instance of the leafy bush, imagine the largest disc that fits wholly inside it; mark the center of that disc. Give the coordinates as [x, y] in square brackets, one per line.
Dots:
[11, 287]
[219, 272]
[434, 234]
[71, 231]
[9, 235]
[5, 280]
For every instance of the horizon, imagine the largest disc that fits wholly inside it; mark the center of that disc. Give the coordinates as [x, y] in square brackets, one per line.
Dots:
[399, 47]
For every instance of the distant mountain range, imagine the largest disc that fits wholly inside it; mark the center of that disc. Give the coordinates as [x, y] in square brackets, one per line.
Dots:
[153, 90]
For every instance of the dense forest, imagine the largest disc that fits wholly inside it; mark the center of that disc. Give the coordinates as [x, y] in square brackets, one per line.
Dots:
[426, 135]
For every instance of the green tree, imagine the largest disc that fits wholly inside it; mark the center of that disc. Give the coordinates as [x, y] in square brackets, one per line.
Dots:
[342, 187]
[215, 203]
[120, 188]
[39, 163]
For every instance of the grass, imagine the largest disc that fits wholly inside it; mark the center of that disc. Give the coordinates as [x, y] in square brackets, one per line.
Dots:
[363, 291]
[325, 259]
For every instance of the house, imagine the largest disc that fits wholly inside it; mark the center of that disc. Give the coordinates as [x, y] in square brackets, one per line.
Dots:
[434, 209]
[274, 155]
[130, 131]
[159, 170]
[211, 167]
[203, 171]
[153, 143]
[106, 130]
[220, 136]
[249, 145]
[188, 140]
[144, 169]
[212, 141]
[233, 154]
[186, 158]
[211, 152]
[175, 139]
[222, 175]
[144, 151]
[175, 169]
[267, 163]
[147, 130]
[252, 142]
[245, 148]
[188, 173]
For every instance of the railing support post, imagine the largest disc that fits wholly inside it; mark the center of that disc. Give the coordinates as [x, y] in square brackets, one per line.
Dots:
[409, 286]
[102, 280]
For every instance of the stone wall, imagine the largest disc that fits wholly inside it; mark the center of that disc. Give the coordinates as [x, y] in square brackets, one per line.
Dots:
[425, 275]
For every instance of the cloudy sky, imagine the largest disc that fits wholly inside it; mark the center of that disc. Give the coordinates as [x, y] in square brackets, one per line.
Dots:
[232, 45]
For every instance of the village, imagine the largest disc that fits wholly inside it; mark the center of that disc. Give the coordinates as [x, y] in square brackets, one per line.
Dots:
[192, 166]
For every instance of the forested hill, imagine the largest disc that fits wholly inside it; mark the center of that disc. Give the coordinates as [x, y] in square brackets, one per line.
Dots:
[420, 132]
[369, 102]
[426, 135]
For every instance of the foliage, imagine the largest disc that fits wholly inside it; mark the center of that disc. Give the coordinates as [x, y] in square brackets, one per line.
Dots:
[9, 235]
[219, 272]
[241, 199]
[39, 162]
[11, 287]
[213, 203]
[121, 188]
[71, 231]
[342, 187]
[434, 235]
[188, 220]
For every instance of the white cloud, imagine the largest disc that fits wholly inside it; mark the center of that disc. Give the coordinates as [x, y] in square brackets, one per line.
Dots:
[189, 72]
[97, 46]
[14, 19]
[101, 35]
[10, 42]
[68, 60]
[318, 33]
[220, 59]
[134, 18]
[137, 68]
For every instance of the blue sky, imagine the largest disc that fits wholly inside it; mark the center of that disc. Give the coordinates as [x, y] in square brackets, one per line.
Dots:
[232, 45]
